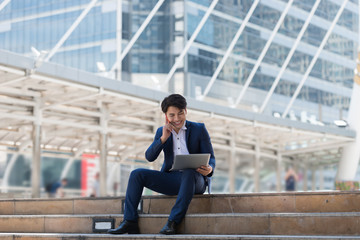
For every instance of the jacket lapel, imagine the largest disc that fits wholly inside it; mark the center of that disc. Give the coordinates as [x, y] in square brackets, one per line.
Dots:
[170, 142]
[170, 150]
[188, 129]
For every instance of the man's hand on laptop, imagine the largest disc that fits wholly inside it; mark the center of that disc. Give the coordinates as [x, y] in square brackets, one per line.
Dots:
[204, 170]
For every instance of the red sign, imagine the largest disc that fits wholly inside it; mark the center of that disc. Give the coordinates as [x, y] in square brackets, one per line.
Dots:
[89, 168]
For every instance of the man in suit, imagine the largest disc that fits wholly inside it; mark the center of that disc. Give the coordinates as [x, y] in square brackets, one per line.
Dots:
[177, 136]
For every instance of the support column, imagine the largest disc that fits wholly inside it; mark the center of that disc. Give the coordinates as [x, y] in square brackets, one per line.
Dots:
[119, 179]
[36, 153]
[351, 153]
[103, 163]
[313, 178]
[103, 149]
[257, 168]
[321, 178]
[278, 171]
[232, 166]
[305, 181]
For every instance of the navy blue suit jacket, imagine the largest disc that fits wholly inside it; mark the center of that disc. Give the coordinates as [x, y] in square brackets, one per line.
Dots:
[197, 141]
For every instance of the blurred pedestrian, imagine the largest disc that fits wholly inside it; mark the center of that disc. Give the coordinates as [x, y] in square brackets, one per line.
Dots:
[290, 179]
[56, 189]
[95, 189]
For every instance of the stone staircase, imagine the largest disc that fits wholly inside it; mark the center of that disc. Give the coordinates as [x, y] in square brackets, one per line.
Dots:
[304, 215]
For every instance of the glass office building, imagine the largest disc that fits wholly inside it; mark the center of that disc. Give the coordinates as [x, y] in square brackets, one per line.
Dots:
[324, 96]
[281, 43]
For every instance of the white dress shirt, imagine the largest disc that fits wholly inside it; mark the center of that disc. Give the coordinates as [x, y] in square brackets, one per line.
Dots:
[179, 141]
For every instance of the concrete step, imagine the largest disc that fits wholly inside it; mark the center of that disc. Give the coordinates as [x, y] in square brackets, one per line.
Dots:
[58, 236]
[298, 202]
[326, 224]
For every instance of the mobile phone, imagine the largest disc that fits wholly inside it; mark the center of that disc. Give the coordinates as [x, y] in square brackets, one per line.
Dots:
[168, 120]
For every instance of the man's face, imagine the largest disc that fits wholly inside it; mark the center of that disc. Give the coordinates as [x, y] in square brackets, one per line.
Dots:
[176, 116]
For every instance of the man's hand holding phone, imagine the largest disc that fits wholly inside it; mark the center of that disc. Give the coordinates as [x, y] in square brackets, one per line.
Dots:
[168, 127]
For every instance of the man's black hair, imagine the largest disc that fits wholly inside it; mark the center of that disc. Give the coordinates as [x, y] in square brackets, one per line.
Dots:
[173, 100]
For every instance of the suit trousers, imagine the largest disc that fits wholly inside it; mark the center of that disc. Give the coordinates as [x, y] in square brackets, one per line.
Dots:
[183, 183]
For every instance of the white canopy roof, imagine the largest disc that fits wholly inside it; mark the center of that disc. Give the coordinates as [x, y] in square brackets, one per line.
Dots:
[73, 107]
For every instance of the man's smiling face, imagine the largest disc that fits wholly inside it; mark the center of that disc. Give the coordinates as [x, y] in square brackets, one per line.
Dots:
[176, 117]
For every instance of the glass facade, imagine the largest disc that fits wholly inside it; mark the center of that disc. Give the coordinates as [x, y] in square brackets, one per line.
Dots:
[325, 94]
[330, 80]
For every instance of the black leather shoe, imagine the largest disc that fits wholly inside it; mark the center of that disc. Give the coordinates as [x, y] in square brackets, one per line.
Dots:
[126, 227]
[169, 228]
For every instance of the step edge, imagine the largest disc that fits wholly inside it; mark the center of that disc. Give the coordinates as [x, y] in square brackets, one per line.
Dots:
[184, 236]
[315, 214]
[298, 193]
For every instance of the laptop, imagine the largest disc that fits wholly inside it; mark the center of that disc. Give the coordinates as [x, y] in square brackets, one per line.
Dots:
[190, 161]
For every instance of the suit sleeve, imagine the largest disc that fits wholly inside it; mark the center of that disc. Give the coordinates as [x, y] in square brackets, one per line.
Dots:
[206, 147]
[155, 148]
